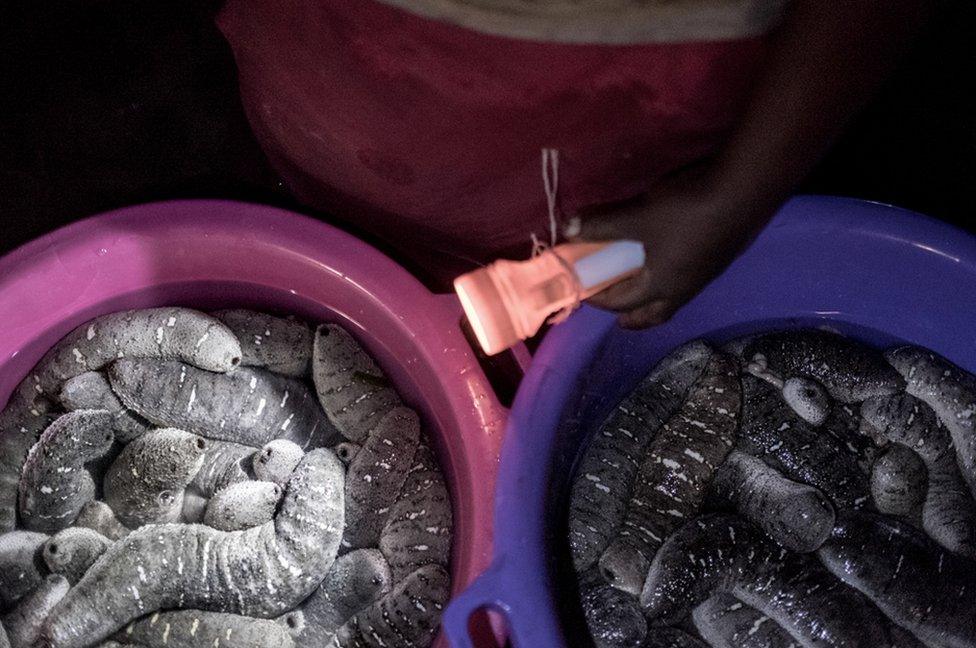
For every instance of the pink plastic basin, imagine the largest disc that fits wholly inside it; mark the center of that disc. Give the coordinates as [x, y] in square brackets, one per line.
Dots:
[215, 254]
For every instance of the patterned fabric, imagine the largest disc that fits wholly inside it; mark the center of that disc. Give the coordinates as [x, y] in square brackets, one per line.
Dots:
[606, 21]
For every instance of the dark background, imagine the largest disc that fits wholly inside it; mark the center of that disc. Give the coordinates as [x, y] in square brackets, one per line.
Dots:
[105, 103]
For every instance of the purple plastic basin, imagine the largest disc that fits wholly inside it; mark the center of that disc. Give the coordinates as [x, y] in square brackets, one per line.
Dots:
[215, 254]
[875, 272]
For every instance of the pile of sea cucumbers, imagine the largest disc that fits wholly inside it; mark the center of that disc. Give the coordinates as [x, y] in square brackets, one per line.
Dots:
[227, 480]
[791, 489]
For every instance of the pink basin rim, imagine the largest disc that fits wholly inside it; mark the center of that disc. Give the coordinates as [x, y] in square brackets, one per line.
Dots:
[212, 254]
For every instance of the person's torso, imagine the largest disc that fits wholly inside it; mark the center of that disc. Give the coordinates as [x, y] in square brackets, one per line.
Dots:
[427, 131]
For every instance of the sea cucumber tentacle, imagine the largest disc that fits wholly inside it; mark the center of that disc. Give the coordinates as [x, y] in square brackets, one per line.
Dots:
[72, 551]
[613, 617]
[21, 565]
[347, 451]
[276, 461]
[808, 399]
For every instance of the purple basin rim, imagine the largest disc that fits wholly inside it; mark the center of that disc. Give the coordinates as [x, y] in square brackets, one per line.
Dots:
[888, 273]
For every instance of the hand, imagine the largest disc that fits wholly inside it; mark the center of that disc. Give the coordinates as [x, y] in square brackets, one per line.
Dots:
[692, 227]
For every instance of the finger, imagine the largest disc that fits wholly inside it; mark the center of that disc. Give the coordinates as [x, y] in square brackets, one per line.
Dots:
[626, 295]
[653, 313]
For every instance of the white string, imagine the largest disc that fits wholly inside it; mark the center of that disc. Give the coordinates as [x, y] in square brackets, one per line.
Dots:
[550, 179]
[538, 247]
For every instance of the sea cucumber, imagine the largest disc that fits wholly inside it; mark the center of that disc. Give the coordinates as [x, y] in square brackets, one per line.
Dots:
[145, 483]
[91, 390]
[169, 333]
[949, 391]
[613, 617]
[797, 516]
[73, 551]
[263, 572]
[808, 399]
[356, 580]
[406, 616]
[899, 481]
[277, 344]
[353, 391]
[243, 505]
[55, 485]
[850, 372]
[276, 461]
[23, 623]
[605, 477]
[99, 516]
[248, 406]
[203, 629]
[22, 422]
[21, 564]
[377, 474]
[949, 511]
[726, 622]
[420, 523]
[915, 582]
[723, 553]
[772, 431]
[675, 472]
